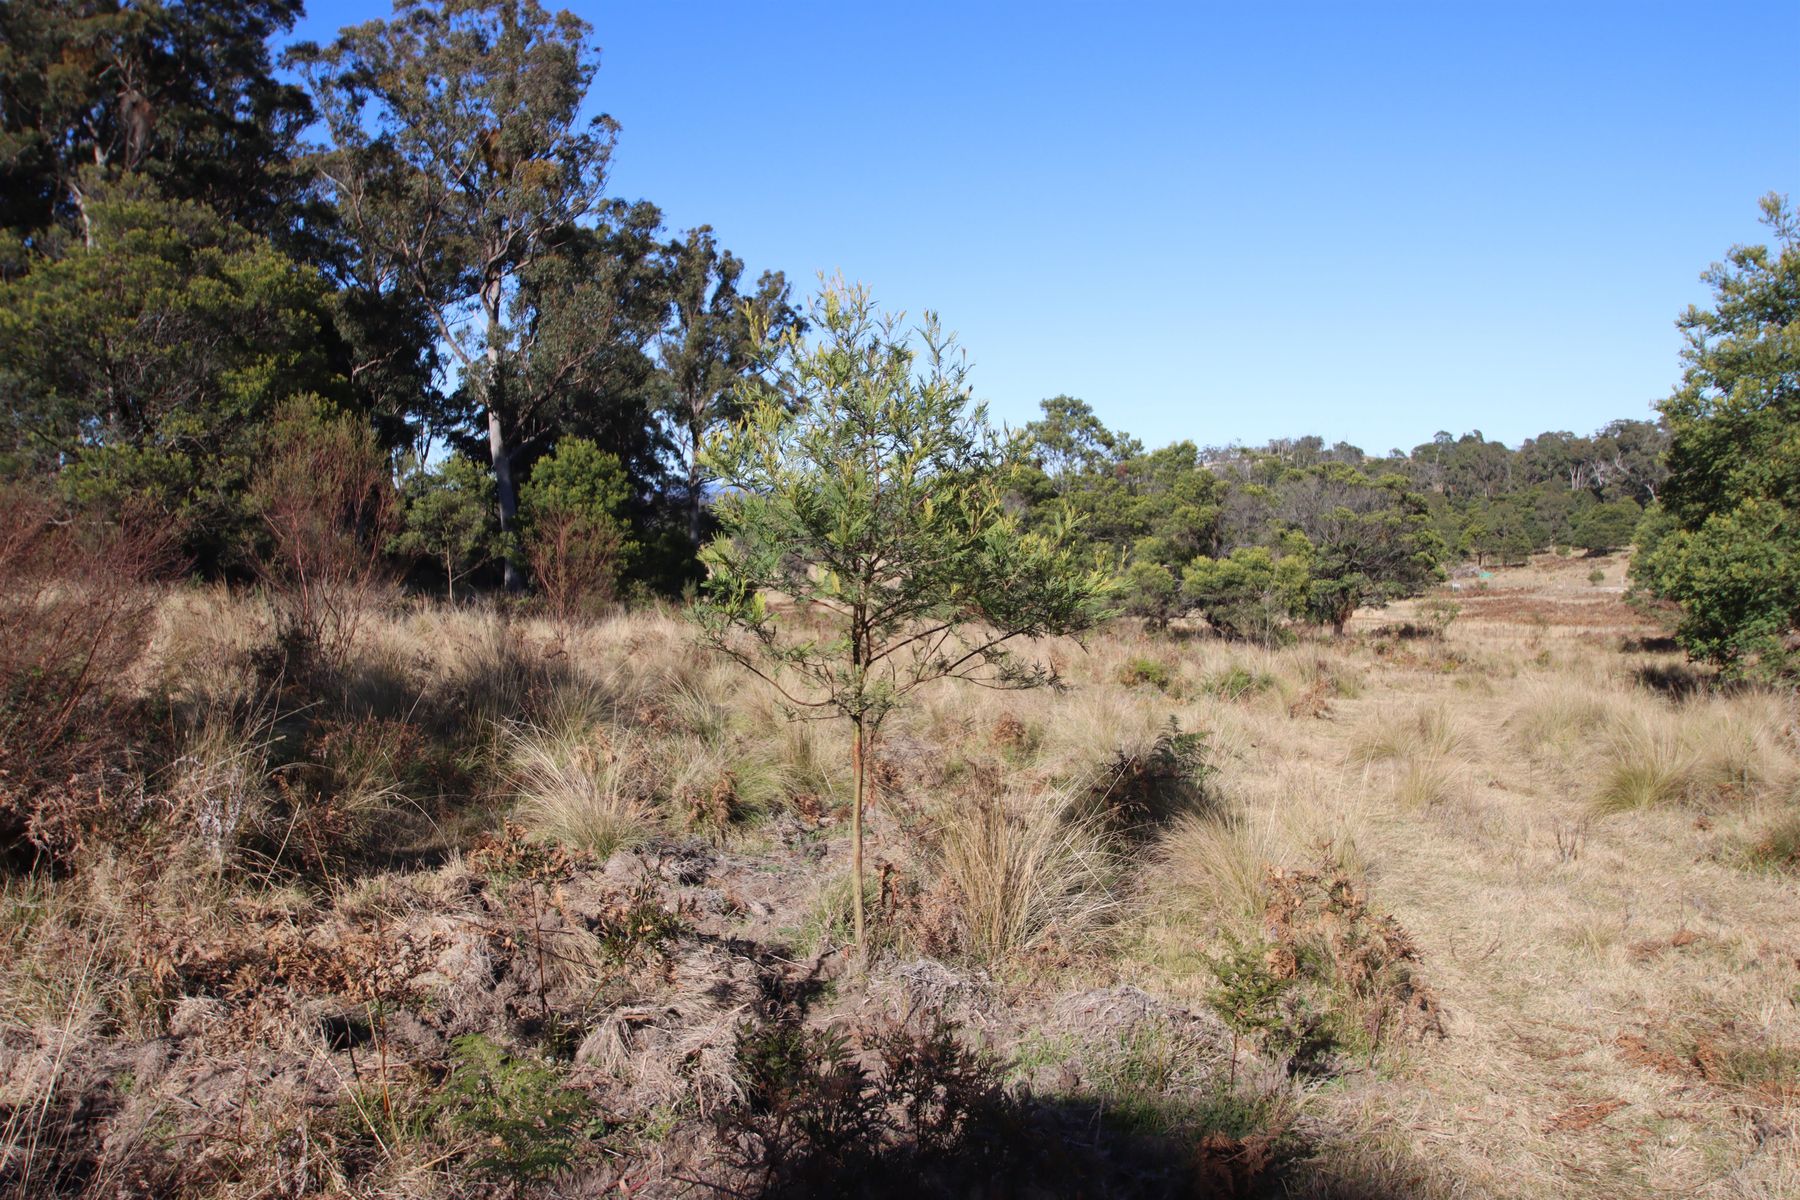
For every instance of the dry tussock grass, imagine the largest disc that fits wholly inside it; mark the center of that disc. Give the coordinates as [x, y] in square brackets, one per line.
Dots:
[1024, 868]
[1456, 783]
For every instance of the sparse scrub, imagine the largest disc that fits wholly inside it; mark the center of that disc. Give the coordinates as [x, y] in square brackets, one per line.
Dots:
[328, 505]
[76, 613]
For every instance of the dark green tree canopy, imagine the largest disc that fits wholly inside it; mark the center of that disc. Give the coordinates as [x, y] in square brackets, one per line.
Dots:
[144, 368]
[710, 345]
[1727, 544]
[460, 164]
[180, 91]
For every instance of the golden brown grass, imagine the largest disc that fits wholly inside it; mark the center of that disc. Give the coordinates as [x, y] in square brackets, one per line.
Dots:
[1026, 867]
[1598, 876]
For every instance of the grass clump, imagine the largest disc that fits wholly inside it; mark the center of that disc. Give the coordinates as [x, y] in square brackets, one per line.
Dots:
[1777, 847]
[1024, 867]
[1140, 672]
[587, 791]
[1430, 732]
[1239, 681]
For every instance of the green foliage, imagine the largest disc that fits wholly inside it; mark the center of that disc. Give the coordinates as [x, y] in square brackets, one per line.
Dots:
[1602, 528]
[1251, 593]
[529, 1125]
[814, 1121]
[1372, 539]
[1151, 591]
[580, 480]
[463, 175]
[710, 345]
[862, 493]
[1140, 671]
[575, 529]
[637, 923]
[181, 93]
[1239, 681]
[449, 518]
[1727, 547]
[1253, 997]
[144, 370]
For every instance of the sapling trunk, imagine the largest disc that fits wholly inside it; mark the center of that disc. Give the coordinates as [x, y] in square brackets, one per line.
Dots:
[856, 837]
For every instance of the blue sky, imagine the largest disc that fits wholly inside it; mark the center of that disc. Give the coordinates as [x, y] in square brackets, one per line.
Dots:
[1369, 221]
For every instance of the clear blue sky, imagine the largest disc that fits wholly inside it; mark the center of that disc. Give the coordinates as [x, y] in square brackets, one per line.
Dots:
[1369, 221]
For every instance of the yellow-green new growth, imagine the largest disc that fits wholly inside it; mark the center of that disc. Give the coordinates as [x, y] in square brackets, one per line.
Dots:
[864, 549]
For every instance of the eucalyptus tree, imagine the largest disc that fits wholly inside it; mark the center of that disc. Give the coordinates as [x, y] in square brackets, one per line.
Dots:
[865, 549]
[460, 162]
[709, 346]
[181, 91]
[1372, 540]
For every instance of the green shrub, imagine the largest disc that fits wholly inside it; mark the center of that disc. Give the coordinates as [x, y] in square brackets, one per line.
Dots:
[637, 923]
[1239, 681]
[529, 1127]
[1140, 671]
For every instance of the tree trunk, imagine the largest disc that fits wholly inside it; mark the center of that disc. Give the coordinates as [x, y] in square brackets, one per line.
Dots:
[507, 492]
[501, 454]
[693, 483]
[856, 837]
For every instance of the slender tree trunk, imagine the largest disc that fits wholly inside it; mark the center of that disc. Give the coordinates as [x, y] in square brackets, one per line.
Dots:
[693, 484]
[504, 487]
[856, 836]
[507, 492]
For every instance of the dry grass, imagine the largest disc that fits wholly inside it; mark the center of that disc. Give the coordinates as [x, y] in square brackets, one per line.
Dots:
[1619, 990]
[583, 786]
[1026, 867]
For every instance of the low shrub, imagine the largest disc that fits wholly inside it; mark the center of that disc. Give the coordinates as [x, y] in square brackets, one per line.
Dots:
[926, 1116]
[525, 1125]
[76, 612]
[1239, 681]
[1138, 672]
[1329, 975]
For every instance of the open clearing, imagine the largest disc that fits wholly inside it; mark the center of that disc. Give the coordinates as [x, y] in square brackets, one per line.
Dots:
[1589, 985]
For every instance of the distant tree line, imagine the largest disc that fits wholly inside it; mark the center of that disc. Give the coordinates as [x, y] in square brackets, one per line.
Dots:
[1253, 538]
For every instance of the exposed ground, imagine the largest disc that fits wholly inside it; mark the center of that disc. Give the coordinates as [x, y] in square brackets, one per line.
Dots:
[1503, 910]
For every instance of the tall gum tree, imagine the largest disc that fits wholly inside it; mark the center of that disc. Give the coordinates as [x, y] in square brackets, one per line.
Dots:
[710, 345]
[459, 161]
